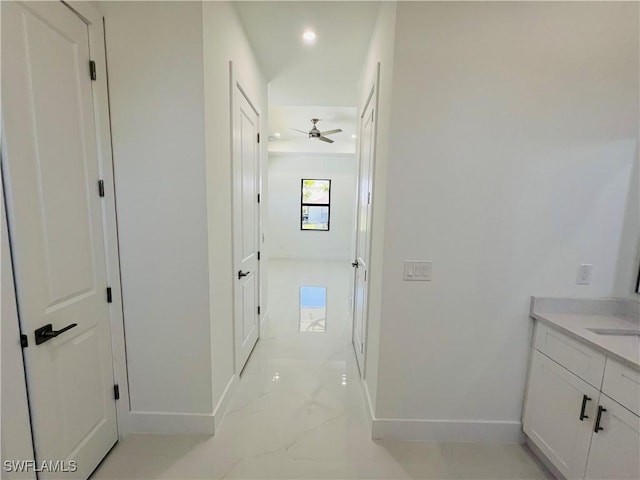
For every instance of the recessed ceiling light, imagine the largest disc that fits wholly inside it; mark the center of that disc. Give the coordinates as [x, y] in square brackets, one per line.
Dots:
[309, 37]
[354, 136]
[277, 135]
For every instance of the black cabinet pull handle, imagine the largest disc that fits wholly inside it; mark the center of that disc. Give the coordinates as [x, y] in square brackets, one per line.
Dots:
[598, 428]
[46, 333]
[585, 399]
[242, 274]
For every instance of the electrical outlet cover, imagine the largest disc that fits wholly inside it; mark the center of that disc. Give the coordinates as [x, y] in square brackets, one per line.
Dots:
[584, 274]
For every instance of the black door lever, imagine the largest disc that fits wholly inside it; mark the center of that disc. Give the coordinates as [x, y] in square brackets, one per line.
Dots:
[47, 332]
[354, 264]
[242, 274]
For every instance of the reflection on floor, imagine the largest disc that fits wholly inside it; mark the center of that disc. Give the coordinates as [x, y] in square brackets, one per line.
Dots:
[298, 412]
[313, 309]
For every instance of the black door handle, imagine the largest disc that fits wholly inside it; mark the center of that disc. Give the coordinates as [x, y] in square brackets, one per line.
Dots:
[585, 399]
[46, 333]
[242, 274]
[354, 264]
[597, 428]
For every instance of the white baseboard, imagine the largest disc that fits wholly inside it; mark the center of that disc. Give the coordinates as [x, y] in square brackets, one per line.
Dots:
[419, 430]
[368, 404]
[183, 423]
[171, 423]
[264, 321]
[222, 406]
[308, 256]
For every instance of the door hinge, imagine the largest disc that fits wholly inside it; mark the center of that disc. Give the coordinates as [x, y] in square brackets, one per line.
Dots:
[361, 347]
[369, 198]
[258, 138]
[258, 198]
[116, 392]
[258, 255]
[258, 310]
[92, 70]
[365, 275]
[109, 296]
[24, 341]
[101, 188]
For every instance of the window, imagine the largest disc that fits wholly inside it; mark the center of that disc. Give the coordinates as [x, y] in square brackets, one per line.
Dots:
[315, 204]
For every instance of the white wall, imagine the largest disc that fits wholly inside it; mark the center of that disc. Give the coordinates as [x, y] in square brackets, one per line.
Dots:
[285, 237]
[514, 134]
[380, 52]
[225, 41]
[170, 106]
[629, 253]
[154, 52]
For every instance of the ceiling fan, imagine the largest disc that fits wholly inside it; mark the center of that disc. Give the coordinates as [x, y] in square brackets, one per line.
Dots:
[315, 133]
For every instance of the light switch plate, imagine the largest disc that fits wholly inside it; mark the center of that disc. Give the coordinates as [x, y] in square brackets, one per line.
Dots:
[417, 271]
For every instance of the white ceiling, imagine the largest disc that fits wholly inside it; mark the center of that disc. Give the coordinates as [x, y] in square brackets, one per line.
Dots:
[325, 74]
[282, 119]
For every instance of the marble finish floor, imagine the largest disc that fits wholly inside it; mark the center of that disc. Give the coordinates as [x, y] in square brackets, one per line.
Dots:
[298, 412]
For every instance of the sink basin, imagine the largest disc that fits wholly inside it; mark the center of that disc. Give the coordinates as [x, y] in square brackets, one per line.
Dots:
[626, 332]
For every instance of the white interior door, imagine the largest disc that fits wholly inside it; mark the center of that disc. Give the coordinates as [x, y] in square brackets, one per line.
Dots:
[245, 225]
[363, 224]
[50, 172]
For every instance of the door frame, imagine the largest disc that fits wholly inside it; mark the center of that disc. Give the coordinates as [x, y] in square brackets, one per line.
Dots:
[236, 88]
[372, 97]
[93, 18]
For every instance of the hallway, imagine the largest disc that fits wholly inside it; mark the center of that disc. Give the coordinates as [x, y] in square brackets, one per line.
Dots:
[298, 413]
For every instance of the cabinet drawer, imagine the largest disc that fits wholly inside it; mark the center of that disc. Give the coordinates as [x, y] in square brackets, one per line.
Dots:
[577, 357]
[622, 383]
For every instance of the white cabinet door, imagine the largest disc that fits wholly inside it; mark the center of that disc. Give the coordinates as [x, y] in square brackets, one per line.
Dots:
[559, 415]
[615, 447]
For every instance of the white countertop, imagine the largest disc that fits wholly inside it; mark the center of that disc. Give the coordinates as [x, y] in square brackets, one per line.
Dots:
[575, 320]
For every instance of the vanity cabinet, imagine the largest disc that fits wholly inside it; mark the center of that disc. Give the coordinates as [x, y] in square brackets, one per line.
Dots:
[583, 432]
[558, 415]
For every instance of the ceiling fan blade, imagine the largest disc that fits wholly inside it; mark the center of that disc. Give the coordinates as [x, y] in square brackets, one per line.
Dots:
[325, 139]
[301, 131]
[331, 132]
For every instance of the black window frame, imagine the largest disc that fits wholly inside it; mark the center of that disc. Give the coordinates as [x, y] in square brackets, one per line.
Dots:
[304, 204]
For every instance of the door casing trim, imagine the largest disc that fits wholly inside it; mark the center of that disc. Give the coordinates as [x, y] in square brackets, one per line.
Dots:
[92, 16]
